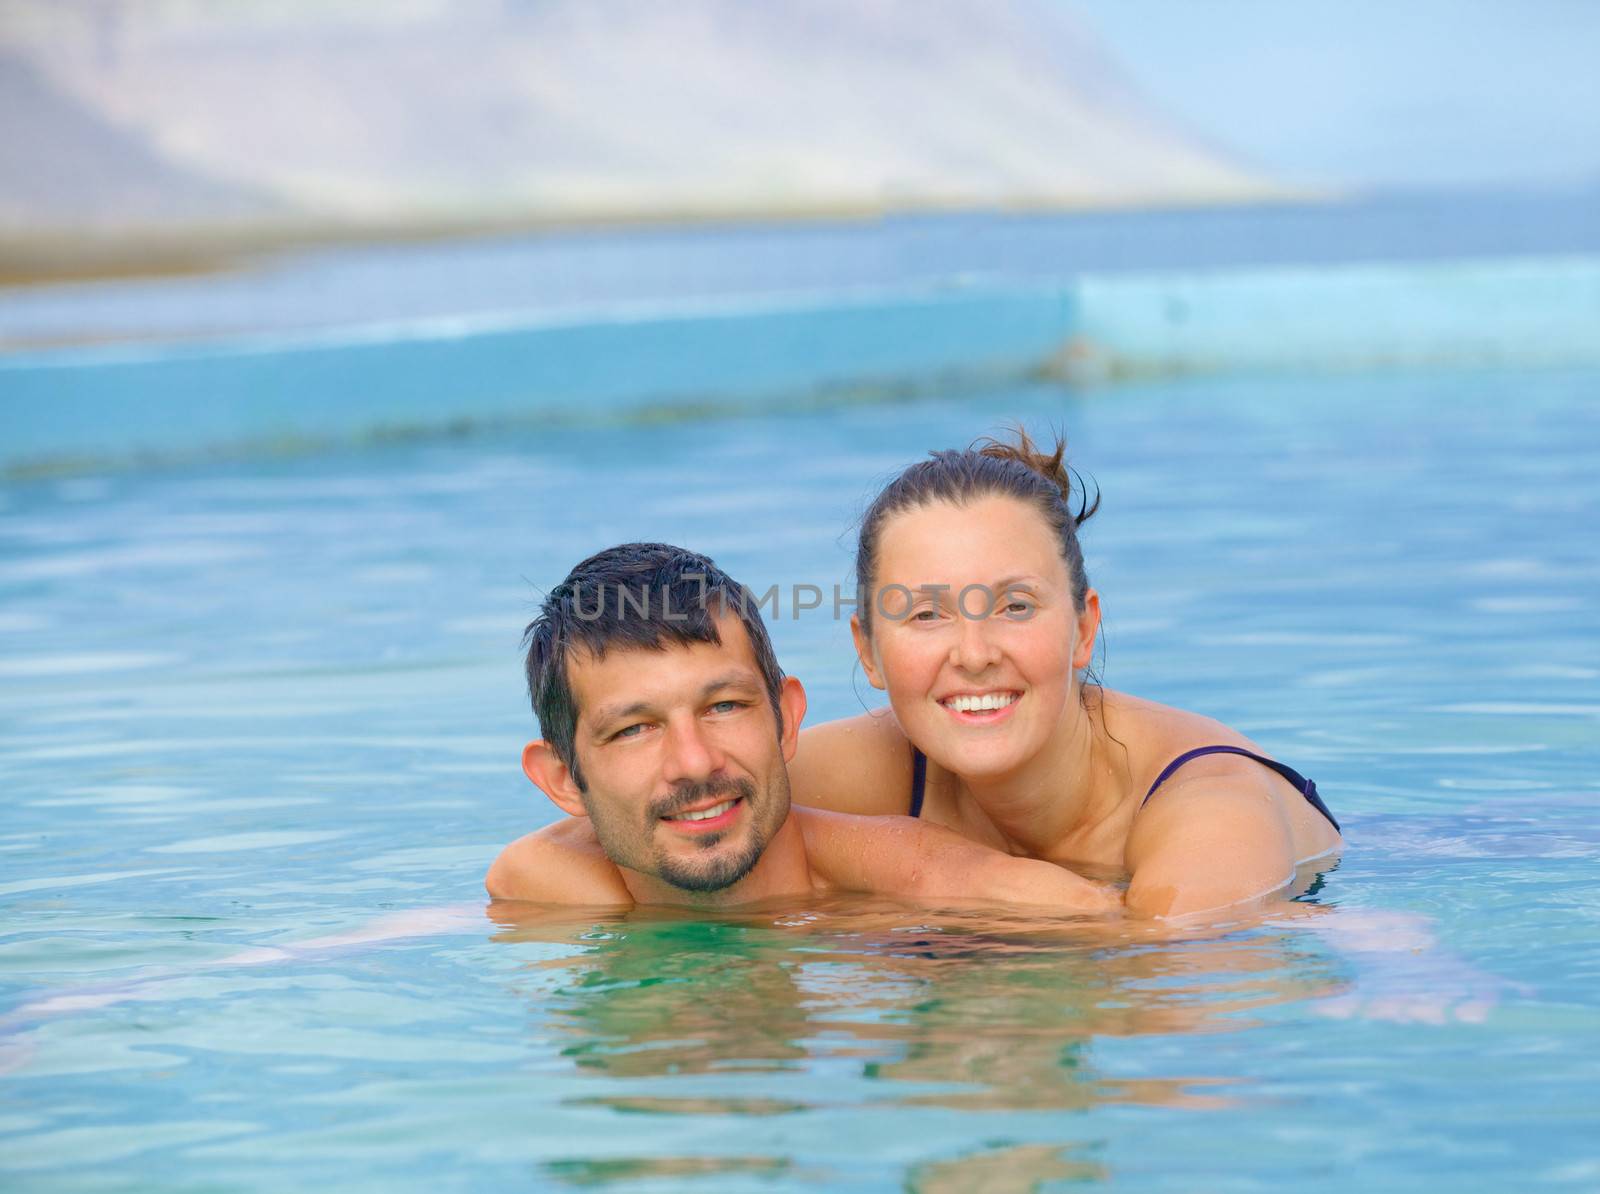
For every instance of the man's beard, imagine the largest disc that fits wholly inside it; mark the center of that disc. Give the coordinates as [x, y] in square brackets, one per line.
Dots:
[723, 870]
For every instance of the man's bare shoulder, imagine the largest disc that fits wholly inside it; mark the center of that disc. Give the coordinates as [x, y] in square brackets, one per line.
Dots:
[559, 864]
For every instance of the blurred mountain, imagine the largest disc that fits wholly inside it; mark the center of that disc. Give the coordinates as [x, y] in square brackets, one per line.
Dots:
[164, 118]
[62, 164]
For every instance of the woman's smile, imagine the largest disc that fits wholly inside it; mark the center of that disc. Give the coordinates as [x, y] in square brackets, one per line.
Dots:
[981, 708]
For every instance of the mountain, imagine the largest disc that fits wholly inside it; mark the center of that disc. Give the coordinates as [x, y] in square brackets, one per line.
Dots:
[61, 163]
[133, 116]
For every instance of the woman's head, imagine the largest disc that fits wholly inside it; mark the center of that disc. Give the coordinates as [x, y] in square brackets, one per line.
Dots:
[1018, 469]
[976, 614]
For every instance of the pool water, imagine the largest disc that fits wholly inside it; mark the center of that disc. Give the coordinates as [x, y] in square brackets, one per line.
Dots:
[256, 715]
[576, 271]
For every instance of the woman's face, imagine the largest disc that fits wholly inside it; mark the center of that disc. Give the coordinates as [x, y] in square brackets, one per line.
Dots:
[979, 690]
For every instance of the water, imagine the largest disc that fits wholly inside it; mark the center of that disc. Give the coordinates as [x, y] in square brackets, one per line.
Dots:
[346, 345]
[565, 275]
[254, 715]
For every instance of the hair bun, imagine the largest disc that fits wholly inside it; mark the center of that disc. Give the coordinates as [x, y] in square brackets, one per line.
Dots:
[1052, 466]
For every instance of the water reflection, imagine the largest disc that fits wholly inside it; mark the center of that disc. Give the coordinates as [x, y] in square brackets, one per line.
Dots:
[685, 1170]
[967, 1010]
[1004, 1168]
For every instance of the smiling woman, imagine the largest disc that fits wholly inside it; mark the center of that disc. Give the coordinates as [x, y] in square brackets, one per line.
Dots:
[980, 625]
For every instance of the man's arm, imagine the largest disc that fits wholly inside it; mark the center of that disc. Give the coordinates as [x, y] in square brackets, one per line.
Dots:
[902, 856]
[560, 864]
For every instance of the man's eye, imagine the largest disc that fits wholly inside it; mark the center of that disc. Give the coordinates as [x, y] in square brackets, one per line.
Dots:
[925, 615]
[724, 706]
[632, 731]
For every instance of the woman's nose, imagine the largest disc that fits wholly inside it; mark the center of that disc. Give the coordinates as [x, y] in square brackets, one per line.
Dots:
[974, 648]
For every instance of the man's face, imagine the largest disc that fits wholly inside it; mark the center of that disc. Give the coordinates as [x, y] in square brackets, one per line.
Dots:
[680, 749]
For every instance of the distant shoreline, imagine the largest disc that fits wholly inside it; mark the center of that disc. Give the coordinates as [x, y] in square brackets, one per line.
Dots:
[44, 257]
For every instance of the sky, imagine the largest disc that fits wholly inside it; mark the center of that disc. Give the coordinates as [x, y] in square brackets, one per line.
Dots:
[1381, 94]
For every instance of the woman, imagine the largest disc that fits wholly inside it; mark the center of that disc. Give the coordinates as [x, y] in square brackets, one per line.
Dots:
[978, 620]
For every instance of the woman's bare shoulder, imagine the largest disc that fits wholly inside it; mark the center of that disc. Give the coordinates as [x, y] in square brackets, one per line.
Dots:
[1154, 734]
[858, 764]
[1209, 788]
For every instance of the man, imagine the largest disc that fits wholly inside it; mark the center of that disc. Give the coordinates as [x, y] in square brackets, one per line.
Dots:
[667, 729]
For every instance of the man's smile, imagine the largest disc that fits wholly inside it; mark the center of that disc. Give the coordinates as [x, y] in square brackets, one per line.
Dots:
[707, 808]
[707, 818]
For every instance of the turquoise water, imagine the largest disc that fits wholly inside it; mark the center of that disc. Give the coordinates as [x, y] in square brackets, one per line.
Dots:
[256, 714]
[343, 345]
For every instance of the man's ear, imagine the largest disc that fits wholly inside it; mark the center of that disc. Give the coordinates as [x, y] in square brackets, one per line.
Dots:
[1088, 628]
[792, 704]
[864, 652]
[550, 775]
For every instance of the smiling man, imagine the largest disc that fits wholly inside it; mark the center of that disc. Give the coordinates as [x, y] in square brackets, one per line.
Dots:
[668, 727]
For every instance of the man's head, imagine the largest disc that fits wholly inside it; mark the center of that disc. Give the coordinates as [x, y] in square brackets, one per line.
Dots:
[666, 719]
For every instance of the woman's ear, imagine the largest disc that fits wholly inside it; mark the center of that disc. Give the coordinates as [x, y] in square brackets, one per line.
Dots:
[869, 663]
[792, 704]
[542, 765]
[1088, 628]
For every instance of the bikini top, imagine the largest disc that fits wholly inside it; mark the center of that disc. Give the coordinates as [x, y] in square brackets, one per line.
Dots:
[919, 776]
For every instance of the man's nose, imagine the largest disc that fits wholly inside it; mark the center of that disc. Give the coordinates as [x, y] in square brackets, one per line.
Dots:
[975, 648]
[690, 754]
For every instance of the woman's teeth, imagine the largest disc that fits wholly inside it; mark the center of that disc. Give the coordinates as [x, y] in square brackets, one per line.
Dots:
[980, 704]
[705, 814]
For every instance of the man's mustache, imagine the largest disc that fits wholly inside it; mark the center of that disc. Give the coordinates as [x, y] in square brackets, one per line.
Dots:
[685, 795]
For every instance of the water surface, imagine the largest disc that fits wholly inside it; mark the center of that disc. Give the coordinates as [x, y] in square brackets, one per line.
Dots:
[250, 710]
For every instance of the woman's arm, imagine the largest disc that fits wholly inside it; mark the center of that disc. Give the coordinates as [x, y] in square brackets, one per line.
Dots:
[899, 856]
[856, 765]
[1209, 842]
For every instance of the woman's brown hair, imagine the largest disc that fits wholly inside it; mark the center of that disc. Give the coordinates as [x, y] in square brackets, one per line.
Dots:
[1015, 468]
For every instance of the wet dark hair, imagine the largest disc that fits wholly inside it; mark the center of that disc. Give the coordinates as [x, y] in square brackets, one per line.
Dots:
[989, 467]
[635, 595]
